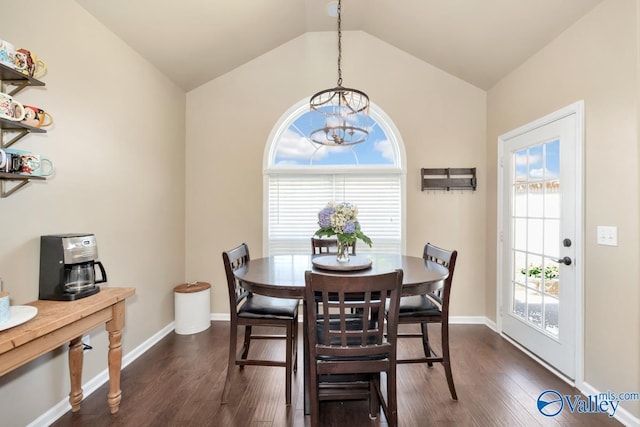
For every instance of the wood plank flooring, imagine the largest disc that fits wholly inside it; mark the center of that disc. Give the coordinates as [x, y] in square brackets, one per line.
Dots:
[179, 383]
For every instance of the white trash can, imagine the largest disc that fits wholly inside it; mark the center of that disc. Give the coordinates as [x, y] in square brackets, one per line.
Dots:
[192, 307]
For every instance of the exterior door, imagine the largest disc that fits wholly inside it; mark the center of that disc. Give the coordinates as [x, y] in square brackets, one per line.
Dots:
[541, 238]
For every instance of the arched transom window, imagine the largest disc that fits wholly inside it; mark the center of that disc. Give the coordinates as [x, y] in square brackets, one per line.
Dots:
[301, 177]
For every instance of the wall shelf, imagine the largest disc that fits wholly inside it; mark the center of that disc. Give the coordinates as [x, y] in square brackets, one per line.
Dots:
[13, 131]
[448, 179]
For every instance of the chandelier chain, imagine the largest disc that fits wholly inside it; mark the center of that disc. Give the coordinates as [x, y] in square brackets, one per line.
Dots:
[339, 42]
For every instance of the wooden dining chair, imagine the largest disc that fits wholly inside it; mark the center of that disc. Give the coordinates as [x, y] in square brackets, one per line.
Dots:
[348, 348]
[249, 310]
[432, 308]
[328, 246]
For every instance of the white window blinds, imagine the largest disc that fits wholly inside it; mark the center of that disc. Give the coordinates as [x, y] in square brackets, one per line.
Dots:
[294, 201]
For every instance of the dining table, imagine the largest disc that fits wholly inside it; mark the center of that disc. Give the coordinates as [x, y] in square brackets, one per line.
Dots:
[283, 276]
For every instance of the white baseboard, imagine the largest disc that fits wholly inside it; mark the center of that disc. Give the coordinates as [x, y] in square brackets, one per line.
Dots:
[94, 383]
[622, 415]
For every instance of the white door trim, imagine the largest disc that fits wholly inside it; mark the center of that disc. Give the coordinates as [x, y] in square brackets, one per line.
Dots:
[576, 108]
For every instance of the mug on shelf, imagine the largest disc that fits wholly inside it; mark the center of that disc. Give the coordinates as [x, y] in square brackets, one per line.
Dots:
[10, 108]
[36, 117]
[7, 54]
[9, 162]
[33, 164]
[34, 66]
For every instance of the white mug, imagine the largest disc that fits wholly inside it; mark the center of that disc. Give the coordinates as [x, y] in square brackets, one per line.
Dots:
[10, 108]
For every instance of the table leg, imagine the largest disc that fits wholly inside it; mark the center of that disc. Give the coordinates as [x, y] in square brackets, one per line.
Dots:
[114, 327]
[305, 357]
[75, 372]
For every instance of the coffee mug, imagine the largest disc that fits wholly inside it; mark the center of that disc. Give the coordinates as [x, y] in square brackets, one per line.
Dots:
[33, 164]
[7, 54]
[5, 306]
[20, 63]
[36, 117]
[10, 108]
[9, 162]
[35, 67]
[3, 160]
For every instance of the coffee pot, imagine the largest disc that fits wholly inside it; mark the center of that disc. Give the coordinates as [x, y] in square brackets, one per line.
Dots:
[80, 277]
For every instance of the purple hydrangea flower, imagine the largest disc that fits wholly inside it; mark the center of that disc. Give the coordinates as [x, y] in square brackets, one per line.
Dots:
[324, 217]
[350, 227]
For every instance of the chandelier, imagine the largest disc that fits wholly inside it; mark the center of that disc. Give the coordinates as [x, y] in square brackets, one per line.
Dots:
[345, 111]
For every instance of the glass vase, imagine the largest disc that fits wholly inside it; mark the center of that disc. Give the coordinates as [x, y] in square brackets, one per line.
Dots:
[343, 252]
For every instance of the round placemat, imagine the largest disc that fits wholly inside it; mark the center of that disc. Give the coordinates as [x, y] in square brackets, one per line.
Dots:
[329, 262]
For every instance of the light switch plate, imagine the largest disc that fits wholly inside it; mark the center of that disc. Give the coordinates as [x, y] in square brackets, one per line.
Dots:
[607, 235]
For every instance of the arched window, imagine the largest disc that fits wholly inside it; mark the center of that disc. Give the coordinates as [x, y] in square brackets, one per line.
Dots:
[301, 177]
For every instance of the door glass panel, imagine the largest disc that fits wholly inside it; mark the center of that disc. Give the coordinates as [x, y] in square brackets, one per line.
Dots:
[519, 300]
[551, 323]
[534, 307]
[535, 199]
[536, 235]
[552, 245]
[520, 234]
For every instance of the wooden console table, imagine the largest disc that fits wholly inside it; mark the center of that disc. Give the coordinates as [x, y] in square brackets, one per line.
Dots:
[59, 322]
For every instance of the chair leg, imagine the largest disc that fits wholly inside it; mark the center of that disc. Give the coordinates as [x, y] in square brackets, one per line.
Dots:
[295, 344]
[425, 342]
[446, 361]
[247, 343]
[231, 364]
[288, 363]
[392, 396]
[314, 402]
[374, 397]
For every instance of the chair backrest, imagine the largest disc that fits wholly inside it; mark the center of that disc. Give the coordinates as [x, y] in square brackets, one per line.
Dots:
[234, 259]
[350, 320]
[328, 246]
[447, 259]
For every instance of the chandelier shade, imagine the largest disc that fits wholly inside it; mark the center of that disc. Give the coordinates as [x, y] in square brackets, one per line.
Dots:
[345, 111]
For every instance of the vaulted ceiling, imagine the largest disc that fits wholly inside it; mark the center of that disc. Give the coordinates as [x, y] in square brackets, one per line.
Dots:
[479, 41]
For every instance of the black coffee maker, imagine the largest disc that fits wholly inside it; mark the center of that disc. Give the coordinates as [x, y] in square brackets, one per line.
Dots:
[67, 267]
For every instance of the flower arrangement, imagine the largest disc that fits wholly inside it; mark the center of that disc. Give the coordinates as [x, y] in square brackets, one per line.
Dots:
[341, 220]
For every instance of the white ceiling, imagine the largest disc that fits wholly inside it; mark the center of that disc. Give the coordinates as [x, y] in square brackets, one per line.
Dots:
[480, 41]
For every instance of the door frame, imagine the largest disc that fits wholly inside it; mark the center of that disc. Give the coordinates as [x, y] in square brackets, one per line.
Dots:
[576, 108]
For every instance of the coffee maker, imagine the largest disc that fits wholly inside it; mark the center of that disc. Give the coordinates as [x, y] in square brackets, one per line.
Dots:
[67, 267]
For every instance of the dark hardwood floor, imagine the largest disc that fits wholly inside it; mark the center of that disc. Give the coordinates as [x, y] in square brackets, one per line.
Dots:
[179, 382]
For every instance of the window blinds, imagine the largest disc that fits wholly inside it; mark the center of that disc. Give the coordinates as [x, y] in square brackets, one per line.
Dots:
[295, 199]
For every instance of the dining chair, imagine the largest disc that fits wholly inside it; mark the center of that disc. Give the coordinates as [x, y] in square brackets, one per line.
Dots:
[348, 347]
[432, 308]
[321, 246]
[248, 309]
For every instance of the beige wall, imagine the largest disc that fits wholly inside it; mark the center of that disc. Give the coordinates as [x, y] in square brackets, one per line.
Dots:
[118, 144]
[163, 214]
[229, 120]
[595, 60]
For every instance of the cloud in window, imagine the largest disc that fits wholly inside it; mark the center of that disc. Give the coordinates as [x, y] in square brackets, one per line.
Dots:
[385, 147]
[293, 147]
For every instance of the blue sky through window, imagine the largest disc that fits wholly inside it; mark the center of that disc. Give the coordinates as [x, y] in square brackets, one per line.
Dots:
[538, 162]
[294, 148]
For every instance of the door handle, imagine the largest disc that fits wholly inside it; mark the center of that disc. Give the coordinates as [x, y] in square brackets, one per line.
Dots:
[566, 260]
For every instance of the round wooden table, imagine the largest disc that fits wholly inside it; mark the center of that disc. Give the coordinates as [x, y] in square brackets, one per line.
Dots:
[282, 276]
